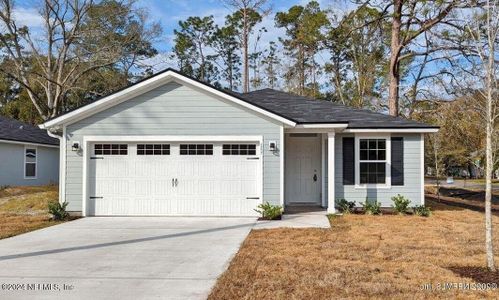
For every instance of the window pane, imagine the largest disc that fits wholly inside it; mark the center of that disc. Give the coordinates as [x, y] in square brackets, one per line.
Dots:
[30, 170]
[381, 144]
[31, 155]
[372, 155]
[238, 149]
[363, 154]
[372, 173]
[363, 144]
[372, 144]
[381, 154]
[381, 178]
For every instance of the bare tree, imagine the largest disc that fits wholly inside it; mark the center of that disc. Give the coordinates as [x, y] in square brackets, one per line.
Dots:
[485, 39]
[246, 7]
[54, 59]
[409, 20]
[479, 46]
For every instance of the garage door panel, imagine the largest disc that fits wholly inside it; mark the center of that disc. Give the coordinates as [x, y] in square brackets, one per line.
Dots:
[174, 184]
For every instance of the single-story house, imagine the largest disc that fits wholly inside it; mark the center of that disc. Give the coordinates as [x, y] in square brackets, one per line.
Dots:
[172, 145]
[28, 155]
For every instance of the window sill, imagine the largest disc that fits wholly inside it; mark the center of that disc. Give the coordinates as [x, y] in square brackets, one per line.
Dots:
[372, 186]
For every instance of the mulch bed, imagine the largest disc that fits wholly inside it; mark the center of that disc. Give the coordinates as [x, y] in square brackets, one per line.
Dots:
[464, 203]
[479, 274]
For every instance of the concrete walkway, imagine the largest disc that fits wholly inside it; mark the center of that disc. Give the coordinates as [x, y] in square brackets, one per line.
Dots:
[313, 219]
[121, 258]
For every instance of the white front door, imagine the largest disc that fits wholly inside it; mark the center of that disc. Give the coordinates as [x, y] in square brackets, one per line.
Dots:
[166, 178]
[303, 169]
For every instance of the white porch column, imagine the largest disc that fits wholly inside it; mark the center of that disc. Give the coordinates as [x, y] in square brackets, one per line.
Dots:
[330, 172]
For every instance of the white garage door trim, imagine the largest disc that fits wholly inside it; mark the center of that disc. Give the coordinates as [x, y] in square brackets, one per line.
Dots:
[87, 140]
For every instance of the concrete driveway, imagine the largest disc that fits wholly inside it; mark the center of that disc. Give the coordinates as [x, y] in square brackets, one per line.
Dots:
[121, 258]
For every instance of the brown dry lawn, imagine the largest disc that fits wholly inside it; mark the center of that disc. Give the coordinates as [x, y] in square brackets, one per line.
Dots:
[24, 209]
[383, 257]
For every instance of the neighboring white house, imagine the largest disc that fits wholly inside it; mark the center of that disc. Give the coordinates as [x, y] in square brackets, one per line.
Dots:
[28, 155]
[171, 145]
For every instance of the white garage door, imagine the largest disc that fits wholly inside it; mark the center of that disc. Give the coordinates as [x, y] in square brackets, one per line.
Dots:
[164, 178]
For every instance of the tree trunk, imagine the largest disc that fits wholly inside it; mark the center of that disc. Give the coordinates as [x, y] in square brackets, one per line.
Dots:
[245, 52]
[489, 153]
[394, 75]
[488, 195]
[489, 166]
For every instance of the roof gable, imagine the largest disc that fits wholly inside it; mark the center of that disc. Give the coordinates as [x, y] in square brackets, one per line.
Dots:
[150, 83]
[285, 108]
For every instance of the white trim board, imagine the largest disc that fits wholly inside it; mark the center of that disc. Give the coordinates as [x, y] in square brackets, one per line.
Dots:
[174, 138]
[422, 170]
[391, 130]
[323, 126]
[147, 85]
[28, 143]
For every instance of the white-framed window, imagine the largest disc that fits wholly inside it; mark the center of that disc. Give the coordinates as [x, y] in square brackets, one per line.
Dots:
[153, 149]
[239, 149]
[30, 162]
[372, 161]
[111, 149]
[196, 149]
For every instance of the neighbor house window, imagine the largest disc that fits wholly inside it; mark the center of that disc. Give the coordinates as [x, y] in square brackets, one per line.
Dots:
[372, 161]
[239, 149]
[153, 149]
[30, 162]
[196, 149]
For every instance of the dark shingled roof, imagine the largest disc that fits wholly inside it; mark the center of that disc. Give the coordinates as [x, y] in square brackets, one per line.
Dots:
[305, 110]
[14, 130]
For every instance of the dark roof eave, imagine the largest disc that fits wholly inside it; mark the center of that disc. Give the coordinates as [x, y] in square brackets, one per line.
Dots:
[394, 127]
[29, 142]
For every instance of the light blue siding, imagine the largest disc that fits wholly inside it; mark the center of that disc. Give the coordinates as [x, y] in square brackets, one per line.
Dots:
[12, 165]
[412, 175]
[172, 109]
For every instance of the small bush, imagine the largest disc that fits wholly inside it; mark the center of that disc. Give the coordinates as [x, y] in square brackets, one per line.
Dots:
[400, 204]
[345, 206]
[422, 211]
[371, 207]
[269, 211]
[58, 210]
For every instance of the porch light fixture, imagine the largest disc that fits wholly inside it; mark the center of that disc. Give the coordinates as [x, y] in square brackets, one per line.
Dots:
[273, 146]
[75, 146]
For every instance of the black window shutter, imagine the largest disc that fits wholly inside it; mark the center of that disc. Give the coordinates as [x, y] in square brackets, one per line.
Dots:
[397, 161]
[348, 161]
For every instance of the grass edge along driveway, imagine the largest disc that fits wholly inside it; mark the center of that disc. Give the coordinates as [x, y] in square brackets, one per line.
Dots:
[362, 256]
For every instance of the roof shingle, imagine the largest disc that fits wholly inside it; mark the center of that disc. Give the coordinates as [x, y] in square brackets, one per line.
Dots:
[305, 110]
[14, 130]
